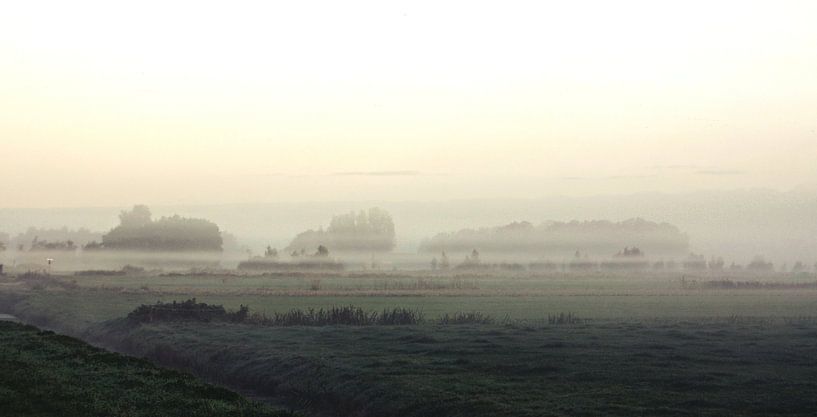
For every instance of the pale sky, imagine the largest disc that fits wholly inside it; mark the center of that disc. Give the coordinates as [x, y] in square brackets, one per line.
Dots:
[115, 103]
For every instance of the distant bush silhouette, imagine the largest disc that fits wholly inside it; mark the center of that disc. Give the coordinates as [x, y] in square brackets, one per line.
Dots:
[694, 262]
[62, 235]
[728, 284]
[759, 264]
[320, 260]
[42, 245]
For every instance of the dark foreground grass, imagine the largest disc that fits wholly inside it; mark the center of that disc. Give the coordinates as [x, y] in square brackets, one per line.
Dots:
[697, 364]
[669, 368]
[45, 374]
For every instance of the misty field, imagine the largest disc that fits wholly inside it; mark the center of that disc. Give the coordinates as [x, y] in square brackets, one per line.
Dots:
[515, 297]
[647, 344]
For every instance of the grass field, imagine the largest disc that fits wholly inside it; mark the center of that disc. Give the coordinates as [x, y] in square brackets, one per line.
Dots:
[45, 374]
[518, 297]
[644, 346]
[694, 367]
[84, 308]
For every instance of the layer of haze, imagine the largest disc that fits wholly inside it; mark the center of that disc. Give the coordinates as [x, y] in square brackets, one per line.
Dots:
[111, 103]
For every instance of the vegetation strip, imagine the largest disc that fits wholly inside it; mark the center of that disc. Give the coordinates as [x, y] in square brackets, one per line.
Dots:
[190, 310]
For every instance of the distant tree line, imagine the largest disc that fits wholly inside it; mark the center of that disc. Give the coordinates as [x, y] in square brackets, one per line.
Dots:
[631, 258]
[40, 239]
[300, 260]
[38, 245]
[598, 237]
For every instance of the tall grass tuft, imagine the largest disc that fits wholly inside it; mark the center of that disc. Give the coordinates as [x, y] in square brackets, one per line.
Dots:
[473, 317]
[563, 318]
[344, 315]
[400, 316]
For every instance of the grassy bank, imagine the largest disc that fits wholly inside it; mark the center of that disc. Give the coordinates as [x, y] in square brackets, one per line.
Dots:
[45, 374]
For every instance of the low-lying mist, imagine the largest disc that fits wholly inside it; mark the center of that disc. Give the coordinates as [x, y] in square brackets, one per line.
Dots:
[734, 225]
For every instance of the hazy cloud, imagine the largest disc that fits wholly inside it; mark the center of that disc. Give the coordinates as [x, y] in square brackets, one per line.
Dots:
[377, 173]
[679, 167]
[719, 172]
[625, 177]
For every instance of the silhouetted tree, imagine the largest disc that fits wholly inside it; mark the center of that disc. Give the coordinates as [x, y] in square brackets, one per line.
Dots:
[444, 263]
[695, 262]
[716, 264]
[139, 216]
[759, 264]
[371, 230]
[628, 252]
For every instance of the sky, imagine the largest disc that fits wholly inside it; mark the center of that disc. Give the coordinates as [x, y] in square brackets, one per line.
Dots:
[170, 102]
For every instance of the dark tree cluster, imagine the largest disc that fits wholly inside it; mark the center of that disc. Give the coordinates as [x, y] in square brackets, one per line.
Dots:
[137, 231]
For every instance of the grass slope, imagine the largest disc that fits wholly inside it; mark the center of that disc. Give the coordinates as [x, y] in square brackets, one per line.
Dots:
[715, 368]
[45, 374]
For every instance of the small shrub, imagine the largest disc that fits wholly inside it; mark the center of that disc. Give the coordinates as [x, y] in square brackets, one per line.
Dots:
[131, 269]
[186, 310]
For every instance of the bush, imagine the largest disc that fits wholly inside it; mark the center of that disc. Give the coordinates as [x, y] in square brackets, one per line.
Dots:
[188, 310]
